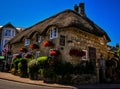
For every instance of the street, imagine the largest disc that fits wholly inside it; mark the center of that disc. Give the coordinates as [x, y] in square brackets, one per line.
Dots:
[5, 84]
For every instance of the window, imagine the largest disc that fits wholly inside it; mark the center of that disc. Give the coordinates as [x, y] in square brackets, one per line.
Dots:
[9, 32]
[38, 38]
[53, 33]
[62, 40]
[13, 33]
[85, 57]
[27, 42]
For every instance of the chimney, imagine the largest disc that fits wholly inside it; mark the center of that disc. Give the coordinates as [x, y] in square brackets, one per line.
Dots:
[82, 11]
[76, 8]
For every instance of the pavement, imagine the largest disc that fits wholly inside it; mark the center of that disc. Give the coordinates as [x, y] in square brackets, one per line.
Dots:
[10, 77]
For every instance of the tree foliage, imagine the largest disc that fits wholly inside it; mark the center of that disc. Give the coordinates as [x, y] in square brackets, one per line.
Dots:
[118, 53]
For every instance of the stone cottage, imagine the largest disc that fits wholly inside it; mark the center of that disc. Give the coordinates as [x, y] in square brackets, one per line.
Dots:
[70, 32]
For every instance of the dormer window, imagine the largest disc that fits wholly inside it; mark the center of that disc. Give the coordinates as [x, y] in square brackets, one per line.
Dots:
[53, 33]
[27, 42]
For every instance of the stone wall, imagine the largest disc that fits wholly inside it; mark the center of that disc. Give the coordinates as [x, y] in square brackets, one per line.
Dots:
[74, 38]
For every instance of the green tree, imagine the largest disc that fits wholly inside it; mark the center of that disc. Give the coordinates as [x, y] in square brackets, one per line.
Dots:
[118, 53]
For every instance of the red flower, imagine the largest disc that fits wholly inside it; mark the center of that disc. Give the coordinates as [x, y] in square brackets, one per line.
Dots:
[23, 50]
[73, 52]
[83, 53]
[53, 53]
[76, 52]
[48, 43]
[34, 46]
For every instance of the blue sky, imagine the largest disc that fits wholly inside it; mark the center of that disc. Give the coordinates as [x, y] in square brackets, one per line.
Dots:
[25, 13]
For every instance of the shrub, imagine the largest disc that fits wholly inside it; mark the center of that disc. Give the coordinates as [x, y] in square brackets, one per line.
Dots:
[78, 69]
[15, 64]
[13, 71]
[43, 61]
[91, 67]
[33, 68]
[49, 73]
[63, 68]
[22, 67]
[85, 67]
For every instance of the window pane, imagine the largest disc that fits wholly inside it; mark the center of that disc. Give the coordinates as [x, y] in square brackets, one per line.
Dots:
[38, 38]
[53, 33]
[7, 33]
[27, 42]
[12, 32]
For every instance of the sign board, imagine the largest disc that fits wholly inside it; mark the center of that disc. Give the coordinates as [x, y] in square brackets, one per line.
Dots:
[2, 57]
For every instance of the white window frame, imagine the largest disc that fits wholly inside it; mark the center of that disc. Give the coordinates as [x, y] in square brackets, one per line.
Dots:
[11, 33]
[86, 56]
[39, 39]
[27, 42]
[53, 33]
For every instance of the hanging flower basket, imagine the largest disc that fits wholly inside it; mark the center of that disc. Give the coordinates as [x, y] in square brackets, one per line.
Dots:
[73, 52]
[34, 46]
[47, 43]
[77, 53]
[83, 53]
[23, 50]
[28, 56]
[54, 53]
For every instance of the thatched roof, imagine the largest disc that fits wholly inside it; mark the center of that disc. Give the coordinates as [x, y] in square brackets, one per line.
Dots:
[67, 18]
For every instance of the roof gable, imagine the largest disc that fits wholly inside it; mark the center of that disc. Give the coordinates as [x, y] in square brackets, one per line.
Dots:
[8, 25]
